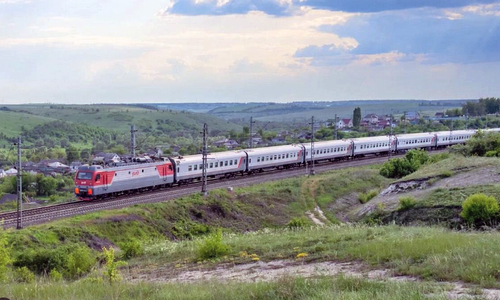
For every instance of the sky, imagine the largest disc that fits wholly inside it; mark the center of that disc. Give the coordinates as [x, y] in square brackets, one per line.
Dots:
[110, 51]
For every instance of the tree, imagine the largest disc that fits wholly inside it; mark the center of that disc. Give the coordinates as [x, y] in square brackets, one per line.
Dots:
[72, 154]
[356, 117]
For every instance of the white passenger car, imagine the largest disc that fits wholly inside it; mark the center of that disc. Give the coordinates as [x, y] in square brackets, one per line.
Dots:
[273, 157]
[447, 138]
[415, 141]
[329, 150]
[373, 145]
[220, 163]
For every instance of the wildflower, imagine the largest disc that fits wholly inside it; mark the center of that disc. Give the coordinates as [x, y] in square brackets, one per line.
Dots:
[302, 255]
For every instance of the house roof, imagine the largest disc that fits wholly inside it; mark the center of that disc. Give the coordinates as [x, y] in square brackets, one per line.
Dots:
[371, 116]
[346, 121]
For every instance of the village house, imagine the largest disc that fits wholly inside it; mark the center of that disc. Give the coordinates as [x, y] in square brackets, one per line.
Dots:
[370, 118]
[227, 143]
[412, 115]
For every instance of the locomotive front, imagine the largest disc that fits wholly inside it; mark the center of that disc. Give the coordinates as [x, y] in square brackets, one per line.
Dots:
[84, 182]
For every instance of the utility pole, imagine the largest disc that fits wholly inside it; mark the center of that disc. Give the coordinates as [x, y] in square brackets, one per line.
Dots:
[19, 186]
[312, 147]
[251, 132]
[204, 152]
[132, 140]
[336, 128]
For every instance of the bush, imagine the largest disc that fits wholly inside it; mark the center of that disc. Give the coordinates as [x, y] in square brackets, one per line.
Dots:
[406, 203]
[400, 167]
[212, 247]
[24, 275]
[112, 274]
[297, 223]
[131, 249]
[79, 262]
[363, 198]
[491, 153]
[5, 259]
[479, 208]
[55, 275]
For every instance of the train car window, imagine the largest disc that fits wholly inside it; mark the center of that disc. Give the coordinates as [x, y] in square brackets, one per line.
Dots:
[249, 160]
[97, 177]
[84, 175]
[287, 155]
[235, 161]
[142, 170]
[211, 165]
[279, 156]
[196, 167]
[201, 166]
[216, 164]
[226, 163]
[178, 170]
[129, 172]
[190, 168]
[170, 167]
[231, 162]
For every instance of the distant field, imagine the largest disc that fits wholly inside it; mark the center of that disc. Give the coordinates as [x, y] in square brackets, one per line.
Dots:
[345, 111]
[120, 117]
[11, 123]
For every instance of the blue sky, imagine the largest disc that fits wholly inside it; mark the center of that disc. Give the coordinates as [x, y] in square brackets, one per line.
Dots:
[247, 50]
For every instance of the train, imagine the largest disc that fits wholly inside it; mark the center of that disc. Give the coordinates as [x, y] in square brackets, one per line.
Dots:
[95, 182]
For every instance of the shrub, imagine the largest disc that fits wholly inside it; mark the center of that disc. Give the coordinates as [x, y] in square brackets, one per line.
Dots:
[491, 153]
[479, 208]
[406, 203]
[363, 198]
[79, 262]
[24, 275]
[112, 274]
[297, 223]
[55, 275]
[131, 249]
[400, 167]
[447, 174]
[5, 259]
[212, 247]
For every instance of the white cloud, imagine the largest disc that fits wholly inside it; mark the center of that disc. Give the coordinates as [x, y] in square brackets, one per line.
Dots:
[484, 10]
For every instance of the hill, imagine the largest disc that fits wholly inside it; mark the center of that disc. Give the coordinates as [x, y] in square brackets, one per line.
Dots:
[281, 239]
[120, 117]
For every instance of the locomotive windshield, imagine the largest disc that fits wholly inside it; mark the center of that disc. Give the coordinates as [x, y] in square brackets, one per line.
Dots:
[84, 175]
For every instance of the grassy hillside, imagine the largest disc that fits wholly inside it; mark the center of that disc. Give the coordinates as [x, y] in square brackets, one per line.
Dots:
[13, 123]
[119, 117]
[274, 222]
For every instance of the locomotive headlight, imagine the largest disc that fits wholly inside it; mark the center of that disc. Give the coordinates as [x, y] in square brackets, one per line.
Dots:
[77, 191]
[89, 192]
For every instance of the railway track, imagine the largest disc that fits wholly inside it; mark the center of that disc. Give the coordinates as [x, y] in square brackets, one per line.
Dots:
[52, 212]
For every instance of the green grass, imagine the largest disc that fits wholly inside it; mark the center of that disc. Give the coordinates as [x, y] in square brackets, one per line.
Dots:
[431, 253]
[456, 196]
[119, 117]
[447, 167]
[283, 288]
[13, 122]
